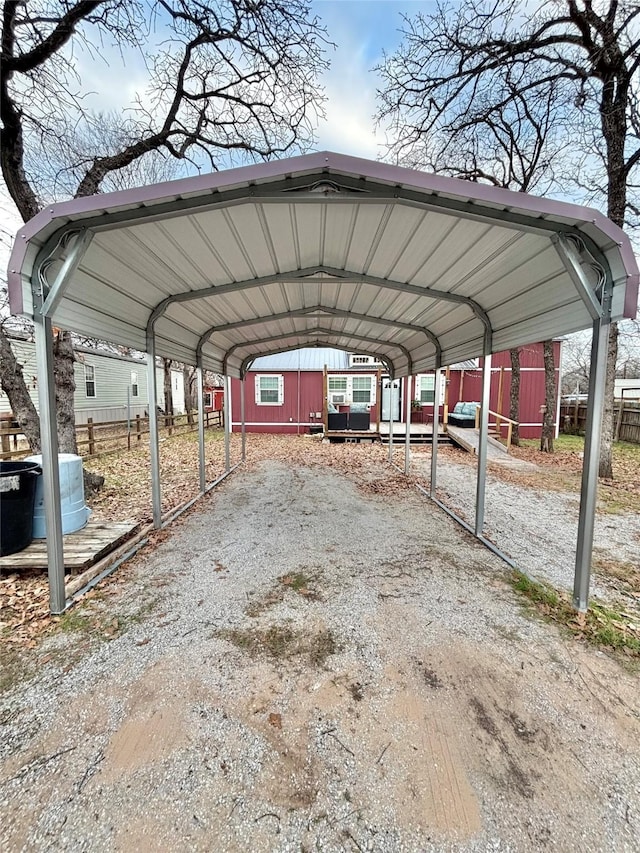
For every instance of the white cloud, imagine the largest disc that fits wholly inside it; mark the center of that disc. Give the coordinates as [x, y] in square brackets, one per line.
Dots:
[351, 88]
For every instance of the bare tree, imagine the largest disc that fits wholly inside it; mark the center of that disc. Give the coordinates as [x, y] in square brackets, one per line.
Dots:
[514, 145]
[485, 58]
[189, 382]
[228, 80]
[548, 418]
[514, 395]
[167, 386]
[575, 365]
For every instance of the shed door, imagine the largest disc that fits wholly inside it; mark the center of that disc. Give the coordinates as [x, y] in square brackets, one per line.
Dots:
[388, 396]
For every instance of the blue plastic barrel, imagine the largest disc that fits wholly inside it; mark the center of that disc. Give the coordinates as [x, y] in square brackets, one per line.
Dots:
[75, 513]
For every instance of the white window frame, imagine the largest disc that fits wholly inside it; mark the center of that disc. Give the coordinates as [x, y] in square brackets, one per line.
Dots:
[258, 389]
[208, 400]
[431, 381]
[371, 389]
[345, 397]
[135, 388]
[356, 359]
[338, 396]
[90, 379]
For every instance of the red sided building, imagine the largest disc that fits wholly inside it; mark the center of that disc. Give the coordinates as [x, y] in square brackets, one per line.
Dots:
[285, 393]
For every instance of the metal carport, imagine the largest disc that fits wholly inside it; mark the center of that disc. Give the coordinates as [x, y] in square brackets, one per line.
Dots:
[325, 250]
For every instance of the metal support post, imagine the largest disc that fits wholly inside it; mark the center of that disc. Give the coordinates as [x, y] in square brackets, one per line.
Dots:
[434, 435]
[227, 423]
[482, 444]
[589, 489]
[407, 437]
[154, 445]
[201, 459]
[50, 470]
[391, 419]
[242, 418]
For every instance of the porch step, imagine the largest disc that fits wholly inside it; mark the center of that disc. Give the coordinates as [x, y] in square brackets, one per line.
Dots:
[400, 438]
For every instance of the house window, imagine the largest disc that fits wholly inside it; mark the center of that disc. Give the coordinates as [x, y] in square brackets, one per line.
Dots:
[90, 380]
[337, 389]
[270, 390]
[208, 400]
[356, 360]
[351, 389]
[426, 388]
[134, 384]
[362, 389]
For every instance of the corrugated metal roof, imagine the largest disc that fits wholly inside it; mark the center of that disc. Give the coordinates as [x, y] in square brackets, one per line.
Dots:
[305, 358]
[323, 250]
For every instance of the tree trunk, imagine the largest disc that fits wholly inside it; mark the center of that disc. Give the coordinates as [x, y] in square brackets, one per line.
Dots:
[605, 464]
[14, 386]
[188, 378]
[64, 359]
[514, 396]
[168, 392]
[548, 426]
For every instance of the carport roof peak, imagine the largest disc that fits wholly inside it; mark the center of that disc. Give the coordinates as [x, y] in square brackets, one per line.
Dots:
[316, 164]
[420, 269]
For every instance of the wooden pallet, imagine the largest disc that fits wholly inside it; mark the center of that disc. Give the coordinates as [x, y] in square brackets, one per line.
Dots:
[81, 549]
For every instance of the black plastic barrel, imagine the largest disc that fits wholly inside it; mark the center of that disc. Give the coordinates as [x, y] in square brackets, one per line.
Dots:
[17, 495]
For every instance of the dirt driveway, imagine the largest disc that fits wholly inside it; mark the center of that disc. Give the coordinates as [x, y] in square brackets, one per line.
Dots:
[303, 663]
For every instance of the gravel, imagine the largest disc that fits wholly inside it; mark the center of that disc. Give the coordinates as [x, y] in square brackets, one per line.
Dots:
[440, 717]
[536, 528]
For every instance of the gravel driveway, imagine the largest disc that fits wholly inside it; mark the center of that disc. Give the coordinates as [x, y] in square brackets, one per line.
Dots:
[537, 528]
[314, 663]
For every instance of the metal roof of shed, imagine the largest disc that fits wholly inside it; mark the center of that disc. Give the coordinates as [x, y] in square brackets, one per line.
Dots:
[321, 250]
[305, 359]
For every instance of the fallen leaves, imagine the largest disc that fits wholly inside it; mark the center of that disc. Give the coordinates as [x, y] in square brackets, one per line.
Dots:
[275, 720]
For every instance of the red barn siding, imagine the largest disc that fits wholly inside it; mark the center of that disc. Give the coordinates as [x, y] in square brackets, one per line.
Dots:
[299, 399]
[531, 386]
[303, 394]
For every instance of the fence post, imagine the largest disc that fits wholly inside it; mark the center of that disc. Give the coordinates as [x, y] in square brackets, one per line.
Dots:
[90, 436]
[138, 428]
[619, 418]
[5, 426]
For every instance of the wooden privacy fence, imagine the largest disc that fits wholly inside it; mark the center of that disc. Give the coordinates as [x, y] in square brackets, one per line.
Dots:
[626, 417]
[94, 439]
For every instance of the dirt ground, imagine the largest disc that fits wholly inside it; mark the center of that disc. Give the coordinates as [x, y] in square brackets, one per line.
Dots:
[303, 662]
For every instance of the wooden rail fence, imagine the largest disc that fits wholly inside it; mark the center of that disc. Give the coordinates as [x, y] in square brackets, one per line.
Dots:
[94, 439]
[626, 417]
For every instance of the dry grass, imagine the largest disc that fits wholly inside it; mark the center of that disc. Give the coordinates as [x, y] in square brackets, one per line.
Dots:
[601, 626]
[281, 642]
[627, 573]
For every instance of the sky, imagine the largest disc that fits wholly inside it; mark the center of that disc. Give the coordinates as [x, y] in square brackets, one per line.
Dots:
[361, 30]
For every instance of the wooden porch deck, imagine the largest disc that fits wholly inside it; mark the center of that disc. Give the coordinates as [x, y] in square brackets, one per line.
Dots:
[81, 549]
[419, 433]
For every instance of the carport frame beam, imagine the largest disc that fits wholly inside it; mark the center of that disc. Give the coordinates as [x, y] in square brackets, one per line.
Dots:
[589, 486]
[436, 426]
[201, 454]
[154, 442]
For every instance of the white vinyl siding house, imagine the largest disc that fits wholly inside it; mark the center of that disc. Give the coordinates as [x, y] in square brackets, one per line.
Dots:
[102, 380]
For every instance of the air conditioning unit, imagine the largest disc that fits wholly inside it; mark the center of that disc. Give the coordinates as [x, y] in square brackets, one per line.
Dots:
[338, 398]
